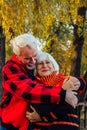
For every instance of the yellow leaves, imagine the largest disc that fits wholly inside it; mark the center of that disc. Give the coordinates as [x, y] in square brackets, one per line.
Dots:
[68, 10]
[13, 14]
[80, 20]
[68, 54]
[49, 20]
[43, 18]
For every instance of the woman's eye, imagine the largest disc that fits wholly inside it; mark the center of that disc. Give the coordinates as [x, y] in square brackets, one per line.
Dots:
[39, 63]
[47, 62]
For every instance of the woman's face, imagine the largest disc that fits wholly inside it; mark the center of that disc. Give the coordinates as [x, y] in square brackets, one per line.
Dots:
[44, 68]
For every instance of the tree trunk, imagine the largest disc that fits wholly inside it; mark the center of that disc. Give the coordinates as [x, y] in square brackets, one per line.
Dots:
[78, 44]
[77, 51]
[76, 56]
[2, 56]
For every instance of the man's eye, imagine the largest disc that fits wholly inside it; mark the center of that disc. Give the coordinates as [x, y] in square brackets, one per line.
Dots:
[35, 56]
[27, 58]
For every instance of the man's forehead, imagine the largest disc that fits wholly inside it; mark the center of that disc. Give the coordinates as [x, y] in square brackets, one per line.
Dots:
[35, 52]
[31, 55]
[31, 51]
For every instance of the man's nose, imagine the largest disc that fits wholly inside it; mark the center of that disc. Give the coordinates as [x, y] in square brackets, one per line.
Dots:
[33, 60]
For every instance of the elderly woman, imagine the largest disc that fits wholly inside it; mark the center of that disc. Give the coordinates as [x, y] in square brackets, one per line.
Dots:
[54, 117]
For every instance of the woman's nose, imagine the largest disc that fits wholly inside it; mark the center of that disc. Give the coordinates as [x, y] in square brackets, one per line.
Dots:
[33, 60]
[44, 64]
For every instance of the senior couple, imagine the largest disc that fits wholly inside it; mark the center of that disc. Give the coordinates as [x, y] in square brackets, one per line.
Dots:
[34, 90]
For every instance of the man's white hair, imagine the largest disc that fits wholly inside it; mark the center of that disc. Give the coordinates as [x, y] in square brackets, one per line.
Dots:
[24, 40]
[46, 56]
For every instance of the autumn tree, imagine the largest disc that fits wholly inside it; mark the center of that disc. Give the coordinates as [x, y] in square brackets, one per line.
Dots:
[56, 23]
[78, 39]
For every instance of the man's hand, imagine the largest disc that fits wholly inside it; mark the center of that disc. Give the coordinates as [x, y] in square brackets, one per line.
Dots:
[71, 84]
[33, 116]
[71, 98]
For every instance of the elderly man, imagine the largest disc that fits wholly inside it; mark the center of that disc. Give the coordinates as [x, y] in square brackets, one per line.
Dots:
[19, 89]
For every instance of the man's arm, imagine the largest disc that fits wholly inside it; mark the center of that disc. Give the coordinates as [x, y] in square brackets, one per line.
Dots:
[82, 85]
[76, 84]
[16, 81]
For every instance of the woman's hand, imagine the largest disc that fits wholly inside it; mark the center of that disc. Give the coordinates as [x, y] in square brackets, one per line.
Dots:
[33, 116]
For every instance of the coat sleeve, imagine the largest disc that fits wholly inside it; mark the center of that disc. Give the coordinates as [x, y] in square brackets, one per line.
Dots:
[82, 85]
[60, 110]
[16, 81]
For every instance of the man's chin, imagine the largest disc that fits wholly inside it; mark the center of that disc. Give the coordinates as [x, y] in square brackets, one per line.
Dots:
[30, 67]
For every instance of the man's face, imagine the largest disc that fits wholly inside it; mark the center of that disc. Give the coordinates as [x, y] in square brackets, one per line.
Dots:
[28, 56]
